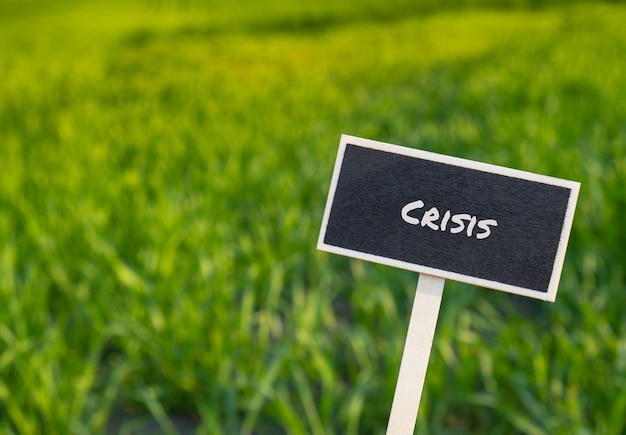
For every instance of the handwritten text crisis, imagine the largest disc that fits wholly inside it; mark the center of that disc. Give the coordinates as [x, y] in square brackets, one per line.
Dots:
[455, 223]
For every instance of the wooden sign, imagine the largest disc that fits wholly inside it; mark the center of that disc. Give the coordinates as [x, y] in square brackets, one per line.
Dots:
[444, 217]
[458, 219]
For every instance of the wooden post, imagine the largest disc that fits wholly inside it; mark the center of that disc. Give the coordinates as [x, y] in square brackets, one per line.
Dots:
[501, 228]
[419, 340]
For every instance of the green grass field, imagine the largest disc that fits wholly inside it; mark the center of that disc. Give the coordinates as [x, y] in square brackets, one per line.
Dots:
[163, 172]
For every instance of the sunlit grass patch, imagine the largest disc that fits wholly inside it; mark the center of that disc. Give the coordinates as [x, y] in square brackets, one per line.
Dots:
[163, 171]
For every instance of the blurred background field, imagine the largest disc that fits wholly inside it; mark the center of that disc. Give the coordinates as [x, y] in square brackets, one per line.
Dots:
[163, 171]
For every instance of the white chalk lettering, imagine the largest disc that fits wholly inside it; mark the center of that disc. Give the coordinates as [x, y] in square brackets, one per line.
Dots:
[444, 220]
[458, 220]
[431, 216]
[409, 208]
[484, 225]
[470, 226]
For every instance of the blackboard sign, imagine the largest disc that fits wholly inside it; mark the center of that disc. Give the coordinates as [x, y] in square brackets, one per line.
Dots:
[459, 219]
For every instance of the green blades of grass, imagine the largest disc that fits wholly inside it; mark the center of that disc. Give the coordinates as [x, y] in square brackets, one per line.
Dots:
[163, 172]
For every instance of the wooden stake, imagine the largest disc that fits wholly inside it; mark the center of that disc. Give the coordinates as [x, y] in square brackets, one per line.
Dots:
[419, 340]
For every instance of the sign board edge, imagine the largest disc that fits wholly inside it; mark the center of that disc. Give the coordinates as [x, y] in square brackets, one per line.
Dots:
[557, 266]
[331, 191]
[559, 258]
[457, 161]
[467, 279]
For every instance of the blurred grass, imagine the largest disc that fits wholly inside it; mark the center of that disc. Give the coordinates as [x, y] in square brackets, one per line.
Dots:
[163, 174]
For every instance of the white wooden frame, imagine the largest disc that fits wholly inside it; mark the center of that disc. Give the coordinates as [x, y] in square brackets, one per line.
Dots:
[574, 187]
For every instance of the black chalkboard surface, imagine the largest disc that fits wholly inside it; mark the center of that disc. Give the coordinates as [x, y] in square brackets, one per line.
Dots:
[453, 218]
